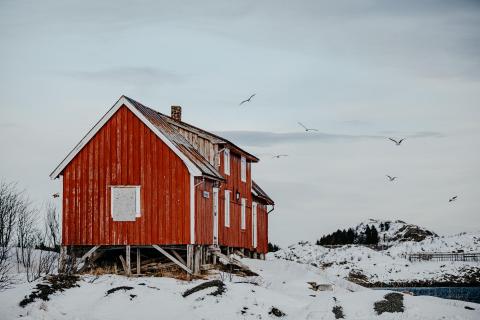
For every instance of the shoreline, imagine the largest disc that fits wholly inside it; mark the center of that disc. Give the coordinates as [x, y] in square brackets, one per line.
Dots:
[424, 284]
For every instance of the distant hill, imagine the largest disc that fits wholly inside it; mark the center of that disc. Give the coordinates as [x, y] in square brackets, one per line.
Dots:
[375, 231]
[389, 264]
[397, 230]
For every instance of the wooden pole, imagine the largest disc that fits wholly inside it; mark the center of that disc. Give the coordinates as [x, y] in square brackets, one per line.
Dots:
[172, 258]
[139, 265]
[63, 259]
[190, 248]
[127, 256]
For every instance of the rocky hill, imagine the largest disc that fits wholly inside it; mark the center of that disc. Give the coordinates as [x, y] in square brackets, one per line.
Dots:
[388, 264]
[396, 231]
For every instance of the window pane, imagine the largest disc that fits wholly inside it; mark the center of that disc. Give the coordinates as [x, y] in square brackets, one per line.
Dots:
[124, 203]
[227, 208]
[244, 169]
[226, 161]
[244, 213]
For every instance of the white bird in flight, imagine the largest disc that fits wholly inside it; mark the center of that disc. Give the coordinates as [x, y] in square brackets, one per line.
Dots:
[397, 142]
[248, 100]
[278, 156]
[307, 129]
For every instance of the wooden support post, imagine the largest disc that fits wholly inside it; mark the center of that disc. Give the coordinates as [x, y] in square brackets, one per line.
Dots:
[63, 259]
[129, 266]
[139, 265]
[190, 248]
[197, 259]
[89, 253]
[169, 256]
[124, 264]
[178, 256]
[85, 257]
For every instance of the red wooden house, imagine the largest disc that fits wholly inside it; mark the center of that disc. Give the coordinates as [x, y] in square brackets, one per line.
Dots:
[141, 178]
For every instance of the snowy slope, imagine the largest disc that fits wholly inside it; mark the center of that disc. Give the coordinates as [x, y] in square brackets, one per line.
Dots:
[390, 265]
[282, 284]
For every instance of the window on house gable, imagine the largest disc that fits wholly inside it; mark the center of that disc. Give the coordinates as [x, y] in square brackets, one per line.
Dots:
[244, 214]
[125, 203]
[226, 161]
[227, 208]
[244, 169]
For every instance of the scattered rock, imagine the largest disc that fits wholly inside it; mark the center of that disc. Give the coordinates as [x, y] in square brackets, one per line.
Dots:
[276, 312]
[50, 285]
[124, 288]
[320, 287]
[356, 276]
[469, 308]
[214, 283]
[411, 232]
[338, 312]
[393, 303]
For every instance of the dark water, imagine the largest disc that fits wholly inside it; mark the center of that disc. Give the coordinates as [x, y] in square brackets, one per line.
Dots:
[470, 294]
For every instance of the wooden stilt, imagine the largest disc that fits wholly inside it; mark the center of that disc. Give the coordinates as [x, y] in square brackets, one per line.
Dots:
[197, 259]
[169, 256]
[178, 256]
[89, 253]
[129, 266]
[124, 264]
[63, 259]
[190, 248]
[139, 265]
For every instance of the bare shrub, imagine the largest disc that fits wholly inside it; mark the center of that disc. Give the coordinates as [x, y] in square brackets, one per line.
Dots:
[11, 201]
[52, 226]
[28, 237]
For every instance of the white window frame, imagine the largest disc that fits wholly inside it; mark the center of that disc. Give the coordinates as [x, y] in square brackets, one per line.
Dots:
[254, 224]
[226, 161]
[137, 200]
[243, 221]
[227, 208]
[243, 169]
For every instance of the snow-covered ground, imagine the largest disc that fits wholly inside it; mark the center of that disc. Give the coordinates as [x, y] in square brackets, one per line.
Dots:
[281, 284]
[390, 265]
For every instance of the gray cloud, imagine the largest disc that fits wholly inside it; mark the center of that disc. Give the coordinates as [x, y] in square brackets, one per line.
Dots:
[266, 138]
[8, 125]
[133, 75]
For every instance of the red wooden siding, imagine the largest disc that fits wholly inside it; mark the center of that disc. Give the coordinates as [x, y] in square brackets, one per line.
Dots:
[126, 152]
[262, 229]
[203, 212]
[234, 236]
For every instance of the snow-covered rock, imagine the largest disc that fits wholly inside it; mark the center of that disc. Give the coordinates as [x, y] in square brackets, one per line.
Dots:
[392, 231]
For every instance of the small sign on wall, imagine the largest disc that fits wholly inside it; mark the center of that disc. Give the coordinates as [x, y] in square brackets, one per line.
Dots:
[206, 194]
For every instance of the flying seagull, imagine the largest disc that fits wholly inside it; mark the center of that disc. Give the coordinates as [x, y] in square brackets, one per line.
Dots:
[307, 129]
[278, 156]
[452, 199]
[397, 142]
[247, 100]
[391, 178]
[56, 195]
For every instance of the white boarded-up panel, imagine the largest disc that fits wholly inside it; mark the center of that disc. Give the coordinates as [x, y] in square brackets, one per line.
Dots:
[125, 203]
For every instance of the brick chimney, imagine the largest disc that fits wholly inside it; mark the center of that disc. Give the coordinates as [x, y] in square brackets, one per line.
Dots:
[176, 113]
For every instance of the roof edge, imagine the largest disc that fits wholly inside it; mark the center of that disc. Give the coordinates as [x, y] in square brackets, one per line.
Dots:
[123, 100]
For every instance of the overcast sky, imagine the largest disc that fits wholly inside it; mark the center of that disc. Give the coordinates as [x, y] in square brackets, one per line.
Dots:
[359, 71]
